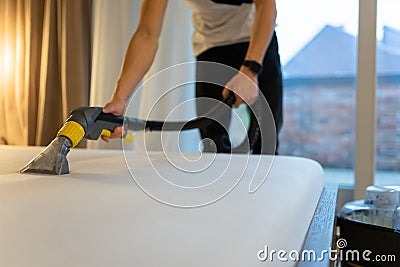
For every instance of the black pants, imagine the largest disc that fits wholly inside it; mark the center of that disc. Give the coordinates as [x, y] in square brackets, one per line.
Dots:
[269, 81]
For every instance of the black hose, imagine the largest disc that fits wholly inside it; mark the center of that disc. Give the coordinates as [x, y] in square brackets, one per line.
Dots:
[253, 133]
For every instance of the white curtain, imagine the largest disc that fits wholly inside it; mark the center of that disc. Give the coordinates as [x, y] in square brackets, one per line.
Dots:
[114, 23]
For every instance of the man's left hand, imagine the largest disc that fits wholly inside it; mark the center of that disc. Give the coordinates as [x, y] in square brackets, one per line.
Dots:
[244, 85]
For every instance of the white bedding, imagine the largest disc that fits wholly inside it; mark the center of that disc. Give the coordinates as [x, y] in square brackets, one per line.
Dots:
[98, 215]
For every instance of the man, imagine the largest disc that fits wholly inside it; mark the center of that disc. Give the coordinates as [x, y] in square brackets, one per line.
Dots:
[232, 32]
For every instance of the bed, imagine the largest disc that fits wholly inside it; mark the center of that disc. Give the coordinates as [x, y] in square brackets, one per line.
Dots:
[130, 208]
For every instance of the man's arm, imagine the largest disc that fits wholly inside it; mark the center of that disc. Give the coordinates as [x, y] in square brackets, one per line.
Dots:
[139, 55]
[245, 83]
[263, 28]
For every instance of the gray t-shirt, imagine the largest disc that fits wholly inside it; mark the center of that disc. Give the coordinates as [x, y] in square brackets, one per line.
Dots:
[219, 24]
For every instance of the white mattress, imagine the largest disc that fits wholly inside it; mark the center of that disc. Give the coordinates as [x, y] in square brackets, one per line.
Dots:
[98, 215]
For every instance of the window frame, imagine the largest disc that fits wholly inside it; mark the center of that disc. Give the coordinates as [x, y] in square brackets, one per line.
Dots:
[365, 149]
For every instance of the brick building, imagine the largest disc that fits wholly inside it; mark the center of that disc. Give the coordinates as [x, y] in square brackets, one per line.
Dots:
[320, 94]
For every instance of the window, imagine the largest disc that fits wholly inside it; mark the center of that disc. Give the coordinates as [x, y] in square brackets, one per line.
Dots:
[319, 61]
[388, 93]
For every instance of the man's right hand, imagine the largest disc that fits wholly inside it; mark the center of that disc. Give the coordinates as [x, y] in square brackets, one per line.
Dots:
[116, 107]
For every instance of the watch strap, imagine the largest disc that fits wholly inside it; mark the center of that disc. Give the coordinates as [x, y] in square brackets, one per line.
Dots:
[253, 65]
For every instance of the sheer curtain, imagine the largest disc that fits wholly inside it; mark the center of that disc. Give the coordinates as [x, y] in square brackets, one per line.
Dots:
[45, 55]
[174, 48]
[114, 24]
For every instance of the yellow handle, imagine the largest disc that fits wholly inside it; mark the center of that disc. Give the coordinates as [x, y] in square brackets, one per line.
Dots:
[127, 138]
[106, 132]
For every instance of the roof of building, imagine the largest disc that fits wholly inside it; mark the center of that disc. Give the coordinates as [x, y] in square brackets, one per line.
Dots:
[333, 53]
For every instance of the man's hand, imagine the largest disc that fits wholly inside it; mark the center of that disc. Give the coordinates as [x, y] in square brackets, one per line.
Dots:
[245, 87]
[115, 106]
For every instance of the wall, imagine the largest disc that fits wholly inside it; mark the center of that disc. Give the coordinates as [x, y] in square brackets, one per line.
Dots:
[319, 122]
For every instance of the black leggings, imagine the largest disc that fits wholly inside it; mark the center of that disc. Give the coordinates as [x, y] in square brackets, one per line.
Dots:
[269, 81]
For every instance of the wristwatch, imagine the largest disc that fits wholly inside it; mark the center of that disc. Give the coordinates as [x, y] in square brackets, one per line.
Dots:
[253, 65]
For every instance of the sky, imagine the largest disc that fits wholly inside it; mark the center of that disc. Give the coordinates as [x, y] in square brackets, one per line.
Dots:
[299, 21]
